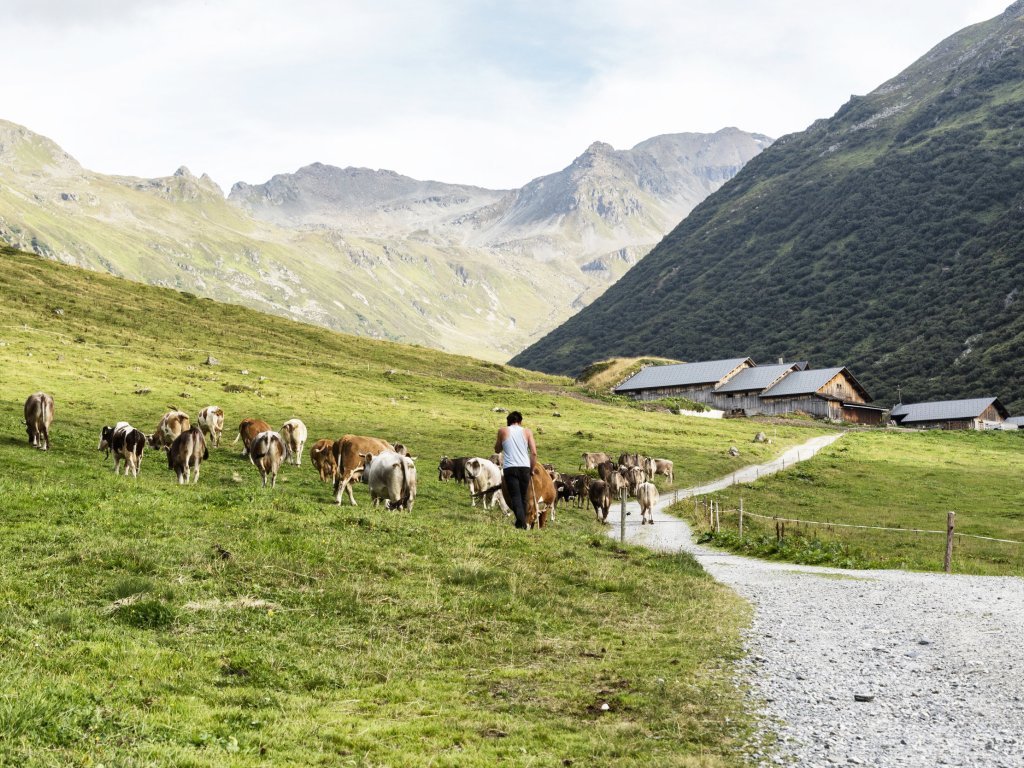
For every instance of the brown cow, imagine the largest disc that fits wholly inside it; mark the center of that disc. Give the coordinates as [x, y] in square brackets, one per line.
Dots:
[211, 421]
[248, 430]
[601, 497]
[605, 470]
[541, 497]
[186, 453]
[322, 456]
[349, 454]
[456, 466]
[172, 424]
[38, 417]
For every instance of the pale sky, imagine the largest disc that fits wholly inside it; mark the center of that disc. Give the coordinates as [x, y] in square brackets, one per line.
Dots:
[492, 93]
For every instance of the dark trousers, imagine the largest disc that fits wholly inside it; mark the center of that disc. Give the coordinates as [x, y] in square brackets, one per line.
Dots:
[518, 481]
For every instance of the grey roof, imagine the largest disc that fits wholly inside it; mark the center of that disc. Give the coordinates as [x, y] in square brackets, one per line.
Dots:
[1018, 420]
[755, 379]
[682, 374]
[803, 382]
[943, 410]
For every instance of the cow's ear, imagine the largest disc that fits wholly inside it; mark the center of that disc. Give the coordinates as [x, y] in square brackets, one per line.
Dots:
[412, 459]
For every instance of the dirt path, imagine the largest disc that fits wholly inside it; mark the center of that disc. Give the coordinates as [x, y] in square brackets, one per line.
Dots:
[941, 657]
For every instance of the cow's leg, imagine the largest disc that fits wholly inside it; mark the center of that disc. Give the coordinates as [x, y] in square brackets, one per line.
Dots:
[298, 455]
[472, 491]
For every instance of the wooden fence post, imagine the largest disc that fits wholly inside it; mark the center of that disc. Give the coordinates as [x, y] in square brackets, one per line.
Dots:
[948, 565]
[622, 514]
[718, 516]
[741, 518]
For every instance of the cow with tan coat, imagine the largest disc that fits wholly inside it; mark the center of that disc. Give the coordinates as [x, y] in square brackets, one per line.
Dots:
[38, 417]
[659, 467]
[647, 495]
[172, 424]
[186, 453]
[247, 431]
[541, 497]
[349, 452]
[294, 434]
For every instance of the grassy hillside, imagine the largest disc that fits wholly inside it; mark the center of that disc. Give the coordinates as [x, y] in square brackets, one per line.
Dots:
[894, 480]
[887, 238]
[142, 623]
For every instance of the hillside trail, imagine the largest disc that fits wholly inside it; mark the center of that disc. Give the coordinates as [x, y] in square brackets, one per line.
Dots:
[940, 656]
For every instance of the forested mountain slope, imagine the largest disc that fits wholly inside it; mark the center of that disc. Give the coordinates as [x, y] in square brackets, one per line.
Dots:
[889, 238]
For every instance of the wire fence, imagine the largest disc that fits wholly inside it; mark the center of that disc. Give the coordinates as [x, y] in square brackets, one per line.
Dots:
[887, 546]
[896, 544]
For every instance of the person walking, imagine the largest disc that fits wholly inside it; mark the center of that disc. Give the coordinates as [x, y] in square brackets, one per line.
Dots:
[519, 453]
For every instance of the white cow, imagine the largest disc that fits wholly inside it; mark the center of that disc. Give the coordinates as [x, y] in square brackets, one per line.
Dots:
[647, 495]
[293, 432]
[483, 474]
[211, 421]
[392, 479]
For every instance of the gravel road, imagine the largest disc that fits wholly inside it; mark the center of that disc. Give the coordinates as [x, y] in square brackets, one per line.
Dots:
[941, 658]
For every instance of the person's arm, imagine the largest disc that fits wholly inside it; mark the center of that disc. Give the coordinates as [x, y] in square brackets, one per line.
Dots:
[533, 448]
[499, 443]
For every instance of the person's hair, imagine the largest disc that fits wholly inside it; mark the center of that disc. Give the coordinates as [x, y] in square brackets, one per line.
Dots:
[514, 418]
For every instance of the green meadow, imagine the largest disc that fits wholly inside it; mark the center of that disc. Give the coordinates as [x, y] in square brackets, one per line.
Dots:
[143, 623]
[904, 480]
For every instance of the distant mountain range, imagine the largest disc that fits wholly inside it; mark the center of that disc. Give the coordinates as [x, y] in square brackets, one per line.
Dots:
[889, 238]
[456, 267]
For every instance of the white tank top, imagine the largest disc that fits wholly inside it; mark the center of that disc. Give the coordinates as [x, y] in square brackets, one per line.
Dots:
[515, 451]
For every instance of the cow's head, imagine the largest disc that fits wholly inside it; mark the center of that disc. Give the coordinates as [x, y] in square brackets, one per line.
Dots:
[106, 435]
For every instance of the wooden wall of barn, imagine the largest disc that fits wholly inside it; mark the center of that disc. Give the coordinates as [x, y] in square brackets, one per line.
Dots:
[700, 394]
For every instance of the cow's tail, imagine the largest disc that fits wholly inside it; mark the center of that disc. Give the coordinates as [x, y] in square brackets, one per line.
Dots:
[237, 437]
[492, 489]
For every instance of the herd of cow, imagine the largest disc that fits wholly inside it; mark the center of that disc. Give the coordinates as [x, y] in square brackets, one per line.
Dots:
[388, 469]
[632, 475]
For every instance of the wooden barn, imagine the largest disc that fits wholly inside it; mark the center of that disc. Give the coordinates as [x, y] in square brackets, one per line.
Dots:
[828, 393]
[975, 413]
[740, 386]
[742, 392]
[695, 381]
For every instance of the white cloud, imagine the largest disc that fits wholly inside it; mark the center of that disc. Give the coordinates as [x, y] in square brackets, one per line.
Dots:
[487, 93]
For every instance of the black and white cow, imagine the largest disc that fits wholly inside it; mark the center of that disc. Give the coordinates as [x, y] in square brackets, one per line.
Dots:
[127, 444]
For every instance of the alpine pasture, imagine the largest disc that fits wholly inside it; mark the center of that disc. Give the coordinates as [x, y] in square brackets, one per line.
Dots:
[147, 623]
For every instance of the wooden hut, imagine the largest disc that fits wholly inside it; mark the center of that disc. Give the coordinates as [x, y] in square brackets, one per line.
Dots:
[695, 381]
[974, 413]
[828, 393]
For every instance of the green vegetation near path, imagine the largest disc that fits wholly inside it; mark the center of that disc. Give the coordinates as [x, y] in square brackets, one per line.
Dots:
[893, 480]
[143, 623]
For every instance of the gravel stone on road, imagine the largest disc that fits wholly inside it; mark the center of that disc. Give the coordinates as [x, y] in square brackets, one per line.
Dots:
[939, 658]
